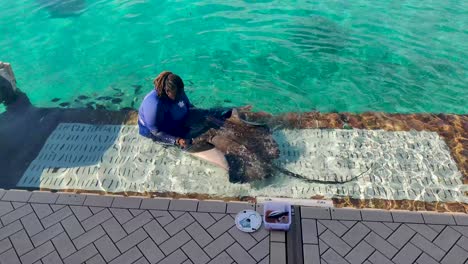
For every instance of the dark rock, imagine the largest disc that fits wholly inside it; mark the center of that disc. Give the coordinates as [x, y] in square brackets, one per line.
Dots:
[116, 100]
[64, 104]
[83, 97]
[55, 100]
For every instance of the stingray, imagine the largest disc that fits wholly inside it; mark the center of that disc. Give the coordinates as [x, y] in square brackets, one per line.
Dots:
[63, 8]
[247, 150]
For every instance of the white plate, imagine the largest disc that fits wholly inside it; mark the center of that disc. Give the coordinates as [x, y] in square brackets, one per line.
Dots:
[248, 221]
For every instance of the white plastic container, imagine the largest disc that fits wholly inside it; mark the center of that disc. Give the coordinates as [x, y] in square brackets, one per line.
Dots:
[277, 206]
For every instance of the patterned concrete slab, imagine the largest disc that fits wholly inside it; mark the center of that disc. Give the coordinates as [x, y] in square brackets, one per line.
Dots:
[111, 229]
[379, 236]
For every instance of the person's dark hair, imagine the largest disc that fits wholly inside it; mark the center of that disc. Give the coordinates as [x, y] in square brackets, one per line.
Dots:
[168, 81]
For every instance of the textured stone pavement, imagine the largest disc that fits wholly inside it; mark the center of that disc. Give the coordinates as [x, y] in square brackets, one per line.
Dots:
[379, 237]
[42, 227]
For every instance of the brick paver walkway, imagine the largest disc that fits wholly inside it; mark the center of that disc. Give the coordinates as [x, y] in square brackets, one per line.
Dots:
[379, 237]
[42, 227]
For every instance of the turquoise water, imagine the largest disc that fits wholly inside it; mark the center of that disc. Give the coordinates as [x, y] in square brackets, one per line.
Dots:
[392, 56]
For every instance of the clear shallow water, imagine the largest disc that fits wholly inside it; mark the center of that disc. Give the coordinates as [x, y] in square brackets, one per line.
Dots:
[403, 56]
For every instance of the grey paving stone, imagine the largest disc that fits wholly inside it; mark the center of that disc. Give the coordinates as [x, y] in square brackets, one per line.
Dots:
[447, 238]
[356, 234]
[335, 242]
[132, 240]
[21, 242]
[219, 245]
[72, 227]
[95, 209]
[259, 208]
[180, 223]
[16, 214]
[56, 207]
[426, 259]
[244, 239]
[10, 229]
[335, 226]
[212, 207]
[5, 207]
[402, 235]
[309, 231]
[378, 258]
[17, 205]
[376, 215]
[278, 236]
[141, 260]
[128, 257]
[52, 258]
[315, 212]
[106, 248]
[5, 245]
[2, 192]
[16, 196]
[70, 199]
[461, 229]
[360, 253]
[136, 212]
[461, 219]
[122, 215]
[149, 249]
[176, 214]
[204, 219]
[41, 210]
[137, 222]
[31, 224]
[320, 228]
[163, 217]
[407, 255]
[407, 217]
[127, 202]
[221, 226]
[424, 230]
[81, 255]
[323, 246]
[261, 250]
[456, 255]
[438, 218]
[188, 261]
[183, 205]
[88, 237]
[437, 228]
[37, 253]
[260, 234]
[428, 247]
[379, 228]
[236, 207]
[9, 257]
[239, 254]
[176, 257]
[222, 258]
[43, 197]
[97, 259]
[64, 245]
[156, 232]
[195, 253]
[46, 234]
[56, 217]
[311, 254]
[96, 219]
[463, 242]
[199, 234]
[392, 226]
[155, 204]
[345, 214]
[98, 200]
[174, 242]
[381, 245]
[332, 257]
[347, 223]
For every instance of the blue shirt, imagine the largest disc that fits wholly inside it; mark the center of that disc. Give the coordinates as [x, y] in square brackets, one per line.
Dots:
[163, 119]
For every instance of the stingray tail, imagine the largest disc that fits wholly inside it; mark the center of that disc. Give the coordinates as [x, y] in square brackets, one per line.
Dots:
[306, 179]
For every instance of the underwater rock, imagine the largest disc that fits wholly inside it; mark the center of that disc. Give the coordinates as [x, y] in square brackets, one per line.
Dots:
[137, 88]
[63, 8]
[55, 100]
[83, 97]
[104, 98]
[64, 104]
[227, 101]
[119, 94]
[116, 100]
[100, 106]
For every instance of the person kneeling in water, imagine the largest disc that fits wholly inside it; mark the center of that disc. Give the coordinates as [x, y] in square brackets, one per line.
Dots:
[164, 111]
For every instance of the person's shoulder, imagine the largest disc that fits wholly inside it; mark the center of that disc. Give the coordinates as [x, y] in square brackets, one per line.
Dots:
[152, 97]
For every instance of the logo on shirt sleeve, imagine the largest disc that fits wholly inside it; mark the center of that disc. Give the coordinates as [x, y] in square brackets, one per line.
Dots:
[181, 104]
